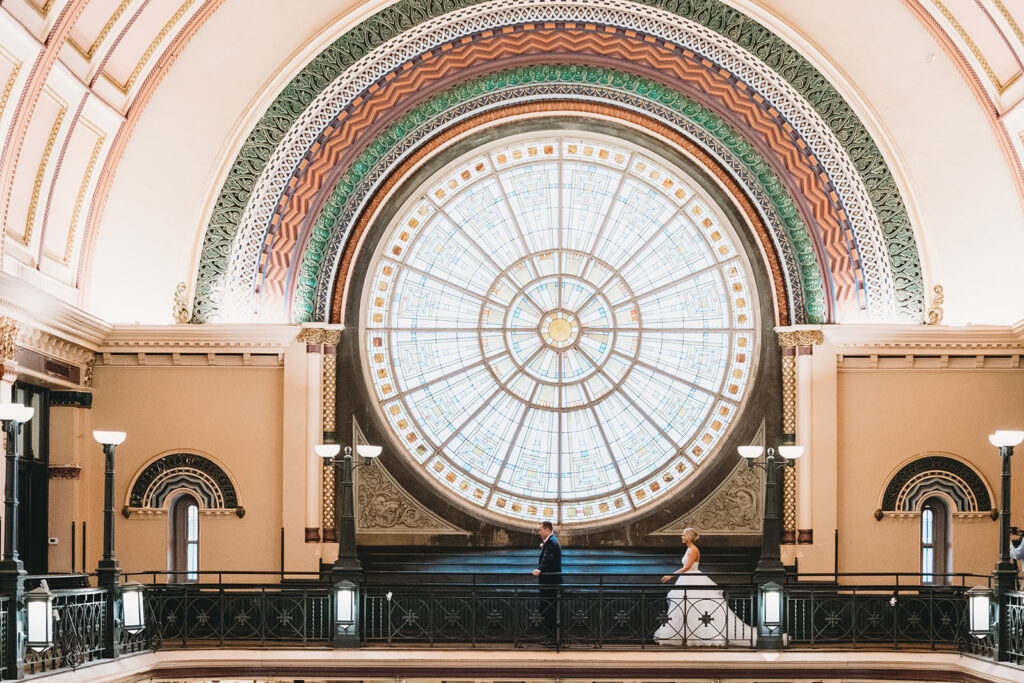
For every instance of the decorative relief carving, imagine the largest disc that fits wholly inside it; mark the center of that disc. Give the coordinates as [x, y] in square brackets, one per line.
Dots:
[181, 314]
[9, 329]
[934, 314]
[791, 338]
[920, 478]
[319, 335]
[339, 225]
[202, 477]
[733, 508]
[724, 35]
[382, 506]
[69, 471]
[87, 371]
[789, 427]
[327, 400]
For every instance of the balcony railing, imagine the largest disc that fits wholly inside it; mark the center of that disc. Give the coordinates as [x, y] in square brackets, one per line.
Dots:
[878, 612]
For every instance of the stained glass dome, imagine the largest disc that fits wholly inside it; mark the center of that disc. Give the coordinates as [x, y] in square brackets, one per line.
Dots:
[559, 326]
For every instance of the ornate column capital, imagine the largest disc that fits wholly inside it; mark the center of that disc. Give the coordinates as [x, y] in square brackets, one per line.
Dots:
[791, 338]
[319, 336]
[9, 329]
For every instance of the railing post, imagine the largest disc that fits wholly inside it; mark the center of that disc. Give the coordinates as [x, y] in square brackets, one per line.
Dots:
[108, 573]
[12, 572]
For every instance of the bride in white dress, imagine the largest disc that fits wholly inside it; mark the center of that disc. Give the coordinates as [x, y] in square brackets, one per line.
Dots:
[698, 613]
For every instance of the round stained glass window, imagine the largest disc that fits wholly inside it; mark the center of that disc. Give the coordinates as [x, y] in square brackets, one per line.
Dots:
[559, 327]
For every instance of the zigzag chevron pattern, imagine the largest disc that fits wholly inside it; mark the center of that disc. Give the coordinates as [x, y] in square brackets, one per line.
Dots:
[762, 126]
[511, 112]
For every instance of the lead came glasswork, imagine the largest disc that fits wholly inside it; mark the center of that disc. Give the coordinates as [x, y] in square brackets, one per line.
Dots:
[559, 326]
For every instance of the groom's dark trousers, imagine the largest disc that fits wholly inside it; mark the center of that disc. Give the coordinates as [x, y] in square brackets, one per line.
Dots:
[550, 578]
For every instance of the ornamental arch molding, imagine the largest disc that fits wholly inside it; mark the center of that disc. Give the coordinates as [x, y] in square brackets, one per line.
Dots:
[278, 205]
[165, 477]
[941, 474]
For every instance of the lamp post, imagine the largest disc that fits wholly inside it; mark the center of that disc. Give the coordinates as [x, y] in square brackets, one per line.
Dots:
[770, 572]
[108, 571]
[345, 574]
[12, 571]
[1006, 569]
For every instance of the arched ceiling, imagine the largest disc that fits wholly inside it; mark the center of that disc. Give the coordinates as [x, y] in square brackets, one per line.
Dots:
[135, 130]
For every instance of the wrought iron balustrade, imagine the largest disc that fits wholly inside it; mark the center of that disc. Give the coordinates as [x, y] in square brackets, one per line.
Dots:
[230, 613]
[79, 617]
[1015, 628]
[589, 614]
[4, 635]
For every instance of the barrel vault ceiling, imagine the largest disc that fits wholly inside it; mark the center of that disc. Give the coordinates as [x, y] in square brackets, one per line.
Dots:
[96, 212]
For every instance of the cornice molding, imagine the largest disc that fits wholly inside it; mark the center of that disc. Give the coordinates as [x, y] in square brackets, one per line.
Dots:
[259, 338]
[44, 312]
[868, 338]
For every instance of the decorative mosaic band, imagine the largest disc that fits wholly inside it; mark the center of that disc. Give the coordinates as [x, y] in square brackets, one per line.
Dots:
[789, 427]
[407, 33]
[588, 90]
[327, 400]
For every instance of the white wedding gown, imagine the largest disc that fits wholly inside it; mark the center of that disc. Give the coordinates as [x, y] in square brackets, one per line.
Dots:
[699, 615]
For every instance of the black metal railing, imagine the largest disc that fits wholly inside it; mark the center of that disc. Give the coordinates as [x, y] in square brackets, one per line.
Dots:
[232, 613]
[880, 611]
[1015, 628]
[4, 635]
[875, 616]
[79, 617]
[601, 615]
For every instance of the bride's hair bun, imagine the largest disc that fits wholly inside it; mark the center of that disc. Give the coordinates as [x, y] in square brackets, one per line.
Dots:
[691, 533]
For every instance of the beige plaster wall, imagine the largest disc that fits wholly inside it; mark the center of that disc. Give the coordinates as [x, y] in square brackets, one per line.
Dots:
[885, 418]
[230, 414]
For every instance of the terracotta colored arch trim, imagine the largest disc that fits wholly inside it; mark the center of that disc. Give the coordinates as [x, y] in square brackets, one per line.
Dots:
[340, 285]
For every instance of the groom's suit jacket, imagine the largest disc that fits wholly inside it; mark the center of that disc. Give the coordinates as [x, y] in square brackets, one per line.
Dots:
[550, 563]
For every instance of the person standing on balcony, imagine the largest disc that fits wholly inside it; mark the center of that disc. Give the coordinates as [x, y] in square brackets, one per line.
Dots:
[549, 576]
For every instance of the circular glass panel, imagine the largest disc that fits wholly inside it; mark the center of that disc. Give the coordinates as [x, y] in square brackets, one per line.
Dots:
[559, 326]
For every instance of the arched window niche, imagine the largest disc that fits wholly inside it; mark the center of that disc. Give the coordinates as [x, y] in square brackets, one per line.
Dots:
[560, 321]
[164, 479]
[936, 489]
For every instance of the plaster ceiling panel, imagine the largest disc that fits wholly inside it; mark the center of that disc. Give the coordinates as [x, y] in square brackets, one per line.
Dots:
[34, 171]
[982, 40]
[10, 69]
[97, 23]
[78, 168]
[1012, 14]
[219, 69]
[959, 188]
[140, 44]
[36, 15]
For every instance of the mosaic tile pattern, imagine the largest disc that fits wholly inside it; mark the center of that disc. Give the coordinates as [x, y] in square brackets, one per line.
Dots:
[559, 326]
[887, 252]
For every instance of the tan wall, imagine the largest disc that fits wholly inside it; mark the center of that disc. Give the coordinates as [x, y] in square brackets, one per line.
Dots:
[885, 417]
[231, 414]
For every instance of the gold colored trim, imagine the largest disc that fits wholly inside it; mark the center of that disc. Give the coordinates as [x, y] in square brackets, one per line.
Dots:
[975, 50]
[137, 71]
[327, 397]
[88, 54]
[789, 427]
[1010, 21]
[80, 199]
[37, 188]
[9, 87]
[41, 10]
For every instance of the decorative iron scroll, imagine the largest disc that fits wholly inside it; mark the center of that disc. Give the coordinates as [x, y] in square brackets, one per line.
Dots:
[928, 475]
[202, 477]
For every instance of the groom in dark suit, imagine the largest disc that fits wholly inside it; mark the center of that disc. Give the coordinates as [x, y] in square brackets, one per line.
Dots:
[549, 576]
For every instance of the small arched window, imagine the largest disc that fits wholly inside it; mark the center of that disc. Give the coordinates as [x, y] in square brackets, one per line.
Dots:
[184, 538]
[935, 545]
